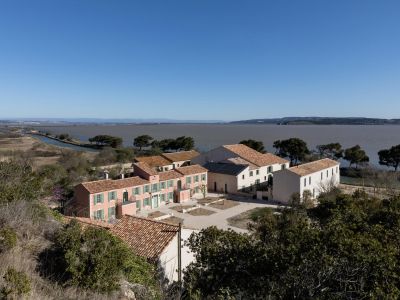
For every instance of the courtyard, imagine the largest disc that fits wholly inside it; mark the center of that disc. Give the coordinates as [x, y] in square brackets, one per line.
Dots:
[214, 210]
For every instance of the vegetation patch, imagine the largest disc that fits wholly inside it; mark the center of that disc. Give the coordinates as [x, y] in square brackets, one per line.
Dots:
[224, 204]
[201, 212]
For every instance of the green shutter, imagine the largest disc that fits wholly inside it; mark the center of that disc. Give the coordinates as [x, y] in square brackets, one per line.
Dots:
[94, 199]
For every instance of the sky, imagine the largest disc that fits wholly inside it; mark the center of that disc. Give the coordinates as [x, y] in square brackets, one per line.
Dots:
[199, 59]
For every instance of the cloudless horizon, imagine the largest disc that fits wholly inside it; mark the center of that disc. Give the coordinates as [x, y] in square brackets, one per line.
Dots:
[199, 60]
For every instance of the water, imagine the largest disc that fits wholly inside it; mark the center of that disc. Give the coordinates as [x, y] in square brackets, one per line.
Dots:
[60, 144]
[207, 136]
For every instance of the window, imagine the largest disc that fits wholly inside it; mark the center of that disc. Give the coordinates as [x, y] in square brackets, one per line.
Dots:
[269, 169]
[188, 180]
[112, 195]
[170, 196]
[162, 197]
[257, 172]
[146, 202]
[196, 178]
[154, 187]
[111, 212]
[170, 183]
[99, 214]
[283, 167]
[147, 188]
[337, 170]
[332, 172]
[251, 173]
[99, 198]
[305, 181]
[138, 205]
[163, 184]
[203, 177]
[243, 176]
[265, 178]
[257, 181]
[322, 175]
[309, 180]
[136, 191]
[327, 173]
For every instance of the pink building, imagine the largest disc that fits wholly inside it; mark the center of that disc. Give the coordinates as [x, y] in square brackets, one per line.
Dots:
[147, 189]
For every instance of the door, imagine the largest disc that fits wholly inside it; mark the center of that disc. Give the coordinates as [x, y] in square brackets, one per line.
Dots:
[179, 184]
[215, 186]
[155, 201]
[226, 188]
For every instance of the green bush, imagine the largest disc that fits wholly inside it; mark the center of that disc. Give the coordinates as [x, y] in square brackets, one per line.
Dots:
[93, 259]
[17, 283]
[8, 238]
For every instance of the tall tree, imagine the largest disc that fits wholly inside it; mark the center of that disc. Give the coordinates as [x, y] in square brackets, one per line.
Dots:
[390, 157]
[256, 145]
[294, 148]
[107, 140]
[185, 143]
[332, 150]
[142, 141]
[355, 155]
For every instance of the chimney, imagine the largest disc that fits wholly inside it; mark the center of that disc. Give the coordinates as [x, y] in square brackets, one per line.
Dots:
[105, 174]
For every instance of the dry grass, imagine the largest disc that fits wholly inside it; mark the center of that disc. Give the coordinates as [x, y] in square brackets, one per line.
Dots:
[208, 200]
[173, 220]
[155, 214]
[201, 212]
[224, 204]
[242, 220]
[180, 208]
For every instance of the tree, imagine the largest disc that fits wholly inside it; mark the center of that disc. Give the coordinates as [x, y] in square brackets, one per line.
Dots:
[332, 150]
[355, 155]
[94, 259]
[185, 143]
[142, 141]
[256, 145]
[107, 140]
[295, 149]
[390, 157]
[332, 251]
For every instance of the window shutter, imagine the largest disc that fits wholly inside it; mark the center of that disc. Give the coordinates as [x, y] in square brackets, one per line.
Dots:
[94, 199]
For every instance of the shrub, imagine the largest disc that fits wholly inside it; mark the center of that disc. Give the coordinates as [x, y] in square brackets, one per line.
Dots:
[8, 239]
[17, 283]
[93, 259]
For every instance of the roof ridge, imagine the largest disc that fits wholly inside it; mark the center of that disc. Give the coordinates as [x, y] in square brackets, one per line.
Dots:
[147, 219]
[314, 161]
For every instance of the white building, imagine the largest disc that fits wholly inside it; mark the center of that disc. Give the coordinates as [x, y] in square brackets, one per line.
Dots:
[255, 168]
[314, 177]
[155, 241]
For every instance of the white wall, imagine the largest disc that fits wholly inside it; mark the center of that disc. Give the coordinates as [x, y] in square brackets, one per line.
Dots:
[168, 259]
[286, 183]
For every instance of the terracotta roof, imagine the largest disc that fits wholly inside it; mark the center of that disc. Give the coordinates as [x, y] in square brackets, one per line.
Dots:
[89, 222]
[190, 170]
[153, 161]
[147, 238]
[312, 167]
[109, 184]
[254, 156]
[172, 174]
[181, 156]
[145, 167]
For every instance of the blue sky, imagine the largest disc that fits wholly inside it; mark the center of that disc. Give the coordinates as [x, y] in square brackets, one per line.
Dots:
[213, 59]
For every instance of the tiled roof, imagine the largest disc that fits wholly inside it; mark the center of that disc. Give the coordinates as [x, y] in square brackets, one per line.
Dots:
[225, 168]
[254, 156]
[190, 170]
[154, 161]
[172, 174]
[145, 167]
[147, 238]
[240, 161]
[109, 184]
[315, 166]
[89, 222]
[181, 156]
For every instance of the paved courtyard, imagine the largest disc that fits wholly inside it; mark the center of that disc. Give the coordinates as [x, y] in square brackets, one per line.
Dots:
[219, 216]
